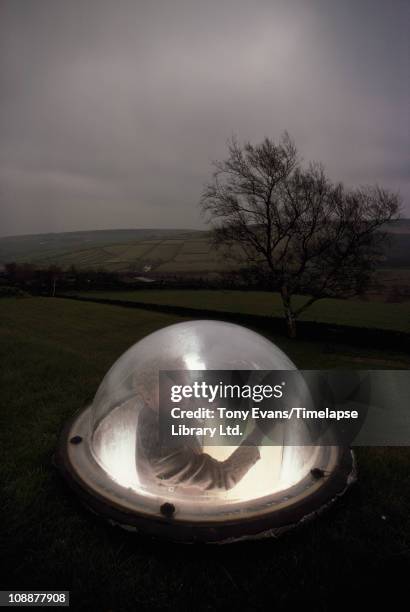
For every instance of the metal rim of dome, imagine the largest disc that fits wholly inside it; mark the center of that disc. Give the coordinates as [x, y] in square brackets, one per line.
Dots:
[270, 516]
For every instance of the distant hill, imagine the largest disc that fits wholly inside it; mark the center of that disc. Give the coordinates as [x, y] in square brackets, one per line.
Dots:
[401, 226]
[149, 250]
[35, 248]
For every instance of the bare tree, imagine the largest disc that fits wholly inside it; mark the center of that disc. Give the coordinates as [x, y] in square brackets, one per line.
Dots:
[313, 237]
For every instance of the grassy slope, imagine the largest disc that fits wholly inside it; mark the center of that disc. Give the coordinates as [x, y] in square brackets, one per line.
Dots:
[166, 251]
[58, 246]
[54, 353]
[343, 312]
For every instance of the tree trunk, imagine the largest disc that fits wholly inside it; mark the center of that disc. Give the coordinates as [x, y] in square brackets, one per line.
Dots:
[290, 323]
[289, 314]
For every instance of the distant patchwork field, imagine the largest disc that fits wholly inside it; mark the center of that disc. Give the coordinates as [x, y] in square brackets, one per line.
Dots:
[150, 250]
[175, 255]
[184, 252]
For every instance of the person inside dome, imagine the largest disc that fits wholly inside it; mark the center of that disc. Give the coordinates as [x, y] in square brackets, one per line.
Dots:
[183, 465]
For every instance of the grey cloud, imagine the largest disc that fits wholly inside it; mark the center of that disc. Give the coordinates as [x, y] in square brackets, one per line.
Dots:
[112, 112]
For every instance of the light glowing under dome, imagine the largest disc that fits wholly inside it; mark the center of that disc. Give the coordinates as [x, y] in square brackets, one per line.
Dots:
[103, 451]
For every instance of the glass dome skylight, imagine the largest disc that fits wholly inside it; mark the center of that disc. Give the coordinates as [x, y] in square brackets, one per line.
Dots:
[111, 454]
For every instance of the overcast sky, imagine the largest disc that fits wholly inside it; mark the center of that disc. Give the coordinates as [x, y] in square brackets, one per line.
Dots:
[111, 111]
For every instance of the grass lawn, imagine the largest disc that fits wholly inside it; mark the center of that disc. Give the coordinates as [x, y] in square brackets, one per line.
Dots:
[54, 353]
[343, 312]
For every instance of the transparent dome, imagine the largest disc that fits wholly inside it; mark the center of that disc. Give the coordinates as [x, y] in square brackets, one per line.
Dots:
[119, 428]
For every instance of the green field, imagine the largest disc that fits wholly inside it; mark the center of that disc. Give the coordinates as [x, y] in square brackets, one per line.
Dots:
[163, 251]
[343, 312]
[176, 255]
[54, 353]
[118, 250]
